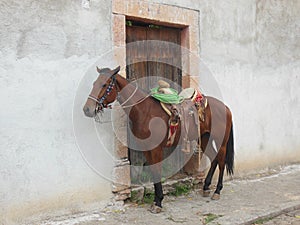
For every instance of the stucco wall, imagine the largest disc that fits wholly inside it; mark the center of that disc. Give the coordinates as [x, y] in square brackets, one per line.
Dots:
[252, 48]
[45, 49]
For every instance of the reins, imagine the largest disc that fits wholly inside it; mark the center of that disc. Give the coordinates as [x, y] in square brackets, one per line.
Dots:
[123, 106]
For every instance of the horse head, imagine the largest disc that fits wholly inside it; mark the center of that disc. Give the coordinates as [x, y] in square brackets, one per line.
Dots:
[103, 92]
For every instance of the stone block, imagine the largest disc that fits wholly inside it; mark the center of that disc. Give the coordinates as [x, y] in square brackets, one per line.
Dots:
[120, 58]
[137, 194]
[169, 186]
[123, 195]
[118, 6]
[121, 151]
[121, 178]
[119, 30]
[121, 162]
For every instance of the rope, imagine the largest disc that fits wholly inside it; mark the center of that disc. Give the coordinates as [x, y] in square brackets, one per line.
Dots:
[173, 98]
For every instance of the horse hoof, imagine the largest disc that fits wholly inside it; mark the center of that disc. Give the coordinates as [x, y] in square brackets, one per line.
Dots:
[215, 196]
[155, 209]
[206, 193]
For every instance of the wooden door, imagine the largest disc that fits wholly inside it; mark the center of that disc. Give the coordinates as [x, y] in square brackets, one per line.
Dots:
[155, 58]
[151, 59]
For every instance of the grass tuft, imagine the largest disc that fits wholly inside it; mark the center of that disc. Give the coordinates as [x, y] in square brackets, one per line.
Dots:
[262, 220]
[210, 217]
[149, 197]
[180, 190]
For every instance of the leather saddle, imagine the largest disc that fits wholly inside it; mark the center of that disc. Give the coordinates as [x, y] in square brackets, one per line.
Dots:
[190, 112]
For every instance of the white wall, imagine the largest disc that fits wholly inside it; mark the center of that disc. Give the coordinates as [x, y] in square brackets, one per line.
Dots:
[253, 49]
[46, 47]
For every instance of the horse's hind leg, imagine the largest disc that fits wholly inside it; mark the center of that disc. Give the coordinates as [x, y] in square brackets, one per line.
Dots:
[221, 162]
[207, 182]
[211, 154]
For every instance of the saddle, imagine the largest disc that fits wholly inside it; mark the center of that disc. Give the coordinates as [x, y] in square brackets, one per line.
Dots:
[190, 111]
[197, 98]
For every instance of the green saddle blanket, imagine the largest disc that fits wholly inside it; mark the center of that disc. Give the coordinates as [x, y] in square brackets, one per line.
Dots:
[173, 98]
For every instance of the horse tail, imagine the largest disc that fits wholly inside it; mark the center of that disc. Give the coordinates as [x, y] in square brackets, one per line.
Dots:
[229, 160]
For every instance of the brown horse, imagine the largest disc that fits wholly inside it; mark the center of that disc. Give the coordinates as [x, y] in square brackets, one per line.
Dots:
[142, 109]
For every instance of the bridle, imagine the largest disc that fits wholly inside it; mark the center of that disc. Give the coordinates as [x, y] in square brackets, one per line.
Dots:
[100, 101]
[100, 105]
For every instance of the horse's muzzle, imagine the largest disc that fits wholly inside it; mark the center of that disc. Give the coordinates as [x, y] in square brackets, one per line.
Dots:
[88, 112]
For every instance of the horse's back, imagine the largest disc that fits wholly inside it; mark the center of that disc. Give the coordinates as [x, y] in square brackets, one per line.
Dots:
[218, 108]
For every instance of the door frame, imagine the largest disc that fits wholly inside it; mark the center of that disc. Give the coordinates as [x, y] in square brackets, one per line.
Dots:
[188, 20]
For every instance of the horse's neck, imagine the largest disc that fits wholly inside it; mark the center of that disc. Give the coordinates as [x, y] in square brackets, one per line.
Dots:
[129, 95]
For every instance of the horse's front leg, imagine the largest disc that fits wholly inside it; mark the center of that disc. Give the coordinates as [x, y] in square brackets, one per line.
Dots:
[157, 204]
[158, 191]
[154, 158]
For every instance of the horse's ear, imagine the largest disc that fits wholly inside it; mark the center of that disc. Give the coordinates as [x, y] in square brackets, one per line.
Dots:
[115, 71]
[98, 70]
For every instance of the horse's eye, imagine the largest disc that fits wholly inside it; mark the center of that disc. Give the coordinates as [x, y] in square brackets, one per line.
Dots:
[104, 85]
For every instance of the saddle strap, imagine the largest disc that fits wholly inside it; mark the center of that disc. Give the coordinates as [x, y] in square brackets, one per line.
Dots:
[173, 127]
[165, 108]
